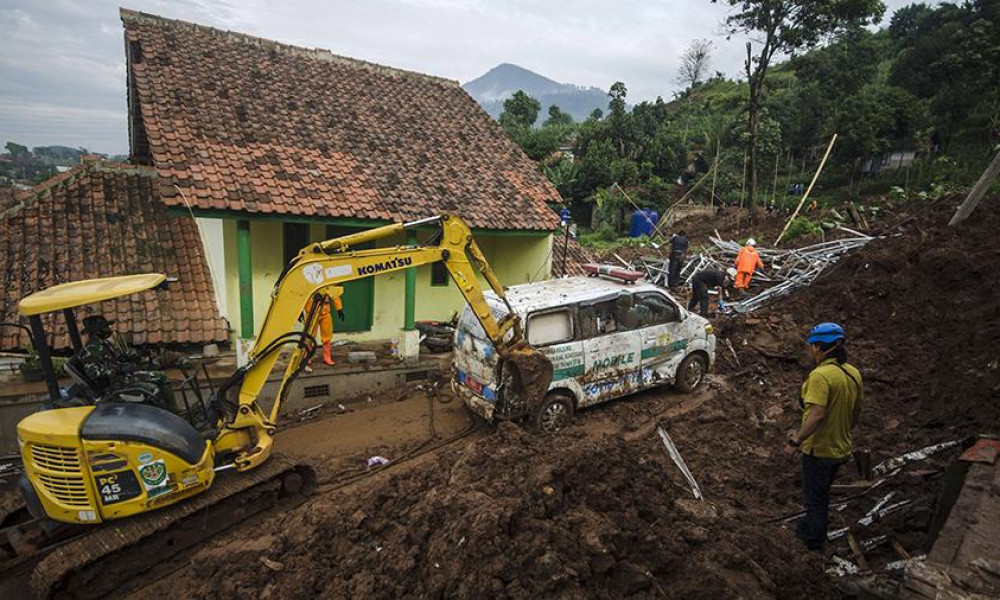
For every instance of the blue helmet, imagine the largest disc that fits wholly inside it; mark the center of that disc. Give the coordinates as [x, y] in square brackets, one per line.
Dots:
[825, 333]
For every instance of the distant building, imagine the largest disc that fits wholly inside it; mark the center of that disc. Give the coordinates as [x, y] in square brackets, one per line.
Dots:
[890, 161]
[272, 146]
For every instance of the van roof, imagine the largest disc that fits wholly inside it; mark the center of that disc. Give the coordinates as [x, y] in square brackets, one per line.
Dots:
[528, 297]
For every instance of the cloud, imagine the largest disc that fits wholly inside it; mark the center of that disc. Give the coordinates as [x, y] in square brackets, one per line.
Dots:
[62, 66]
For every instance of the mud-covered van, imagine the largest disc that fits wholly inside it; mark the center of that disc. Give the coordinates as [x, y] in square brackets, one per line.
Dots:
[605, 339]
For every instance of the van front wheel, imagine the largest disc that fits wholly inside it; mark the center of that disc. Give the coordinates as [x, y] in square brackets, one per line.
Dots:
[555, 413]
[691, 373]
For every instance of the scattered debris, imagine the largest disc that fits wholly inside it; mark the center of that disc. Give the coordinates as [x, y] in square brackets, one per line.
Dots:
[676, 456]
[901, 461]
[308, 413]
[272, 564]
[903, 563]
[841, 567]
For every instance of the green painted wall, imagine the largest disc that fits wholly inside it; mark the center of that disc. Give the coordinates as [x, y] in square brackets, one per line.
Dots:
[267, 260]
[515, 259]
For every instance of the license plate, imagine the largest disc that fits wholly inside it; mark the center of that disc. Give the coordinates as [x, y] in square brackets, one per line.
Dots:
[473, 385]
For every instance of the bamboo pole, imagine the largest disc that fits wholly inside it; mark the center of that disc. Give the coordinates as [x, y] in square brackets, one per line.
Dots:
[774, 186]
[812, 183]
[743, 188]
[715, 174]
[978, 191]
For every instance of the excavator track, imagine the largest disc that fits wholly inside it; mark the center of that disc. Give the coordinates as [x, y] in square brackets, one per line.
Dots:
[111, 560]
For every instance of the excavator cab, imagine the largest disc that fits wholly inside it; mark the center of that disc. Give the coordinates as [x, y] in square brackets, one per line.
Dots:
[102, 448]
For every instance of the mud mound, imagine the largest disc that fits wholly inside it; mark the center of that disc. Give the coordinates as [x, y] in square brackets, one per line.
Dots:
[516, 515]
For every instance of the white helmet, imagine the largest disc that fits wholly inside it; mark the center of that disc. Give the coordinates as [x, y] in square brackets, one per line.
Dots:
[731, 272]
[751, 242]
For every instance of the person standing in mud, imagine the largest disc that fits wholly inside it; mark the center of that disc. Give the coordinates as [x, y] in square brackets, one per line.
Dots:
[831, 403]
[678, 249]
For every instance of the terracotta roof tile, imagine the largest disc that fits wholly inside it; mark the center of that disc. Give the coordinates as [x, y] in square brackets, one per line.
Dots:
[98, 220]
[255, 126]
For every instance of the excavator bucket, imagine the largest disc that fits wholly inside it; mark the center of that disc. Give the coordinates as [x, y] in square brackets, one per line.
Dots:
[527, 376]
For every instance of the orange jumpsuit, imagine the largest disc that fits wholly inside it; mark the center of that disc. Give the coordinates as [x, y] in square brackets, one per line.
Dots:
[746, 261]
[325, 322]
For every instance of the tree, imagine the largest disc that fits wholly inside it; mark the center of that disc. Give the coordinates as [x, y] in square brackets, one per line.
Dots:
[694, 63]
[16, 149]
[784, 27]
[558, 117]
[520, 110]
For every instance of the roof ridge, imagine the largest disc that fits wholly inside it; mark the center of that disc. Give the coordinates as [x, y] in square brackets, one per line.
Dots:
[135, 16]
[25, 198]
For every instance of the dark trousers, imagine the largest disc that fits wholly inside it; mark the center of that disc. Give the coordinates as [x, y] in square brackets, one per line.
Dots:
[699, 297]
[674, 270]
[817, 477]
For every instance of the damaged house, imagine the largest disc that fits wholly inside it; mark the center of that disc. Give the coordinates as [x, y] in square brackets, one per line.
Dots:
[270, 146]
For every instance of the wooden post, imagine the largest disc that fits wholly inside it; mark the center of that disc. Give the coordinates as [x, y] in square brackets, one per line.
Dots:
[978, 191]
[819, 170]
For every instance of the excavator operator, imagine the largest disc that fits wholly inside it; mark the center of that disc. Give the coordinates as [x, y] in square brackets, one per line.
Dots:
[117, 372]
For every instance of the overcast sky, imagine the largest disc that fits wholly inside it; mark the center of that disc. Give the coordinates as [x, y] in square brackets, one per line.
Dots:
[62, 66]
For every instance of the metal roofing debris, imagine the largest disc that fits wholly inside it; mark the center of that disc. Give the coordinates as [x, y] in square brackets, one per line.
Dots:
[787, 269]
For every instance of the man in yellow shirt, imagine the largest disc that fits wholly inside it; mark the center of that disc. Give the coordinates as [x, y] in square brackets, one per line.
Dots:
[831, 402]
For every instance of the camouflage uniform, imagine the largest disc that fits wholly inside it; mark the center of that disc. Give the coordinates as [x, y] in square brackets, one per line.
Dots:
[119, 373]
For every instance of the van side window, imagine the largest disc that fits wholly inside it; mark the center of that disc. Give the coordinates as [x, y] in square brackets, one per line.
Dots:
[550, 328]
[653, 309]
[598, 319]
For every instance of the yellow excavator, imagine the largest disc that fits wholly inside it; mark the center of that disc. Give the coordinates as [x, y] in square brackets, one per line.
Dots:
[146, 472]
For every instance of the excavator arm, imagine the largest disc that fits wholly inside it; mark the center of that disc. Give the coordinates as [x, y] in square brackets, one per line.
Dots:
[246, 430]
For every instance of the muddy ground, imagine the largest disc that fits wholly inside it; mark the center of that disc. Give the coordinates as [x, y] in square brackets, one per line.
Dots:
[600, 510]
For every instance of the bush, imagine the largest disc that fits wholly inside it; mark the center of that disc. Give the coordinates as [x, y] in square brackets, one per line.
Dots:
[802, 226]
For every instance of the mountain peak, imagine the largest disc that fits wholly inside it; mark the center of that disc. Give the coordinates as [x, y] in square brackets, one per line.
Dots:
[500, 83]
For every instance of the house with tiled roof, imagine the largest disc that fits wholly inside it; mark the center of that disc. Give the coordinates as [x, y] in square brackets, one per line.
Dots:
[101, 219]
[272, 146]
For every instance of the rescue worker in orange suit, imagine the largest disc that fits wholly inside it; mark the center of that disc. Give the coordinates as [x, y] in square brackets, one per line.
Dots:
[746, 261]
[325, 322]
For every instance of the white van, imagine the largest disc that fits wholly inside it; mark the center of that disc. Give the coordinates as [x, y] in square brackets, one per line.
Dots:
[606, 339]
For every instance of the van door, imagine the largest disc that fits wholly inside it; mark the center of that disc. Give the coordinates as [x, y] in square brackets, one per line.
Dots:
[661, 336]
[553, 332]
[611, 350]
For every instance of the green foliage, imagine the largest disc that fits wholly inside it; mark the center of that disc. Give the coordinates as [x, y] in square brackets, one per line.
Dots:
[802, 226]
[520, 112]
[930, 83]
[16, 149]
[563, 174]
[558, 117]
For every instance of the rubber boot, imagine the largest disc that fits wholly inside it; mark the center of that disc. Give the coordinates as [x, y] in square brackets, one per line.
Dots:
[327, 354]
